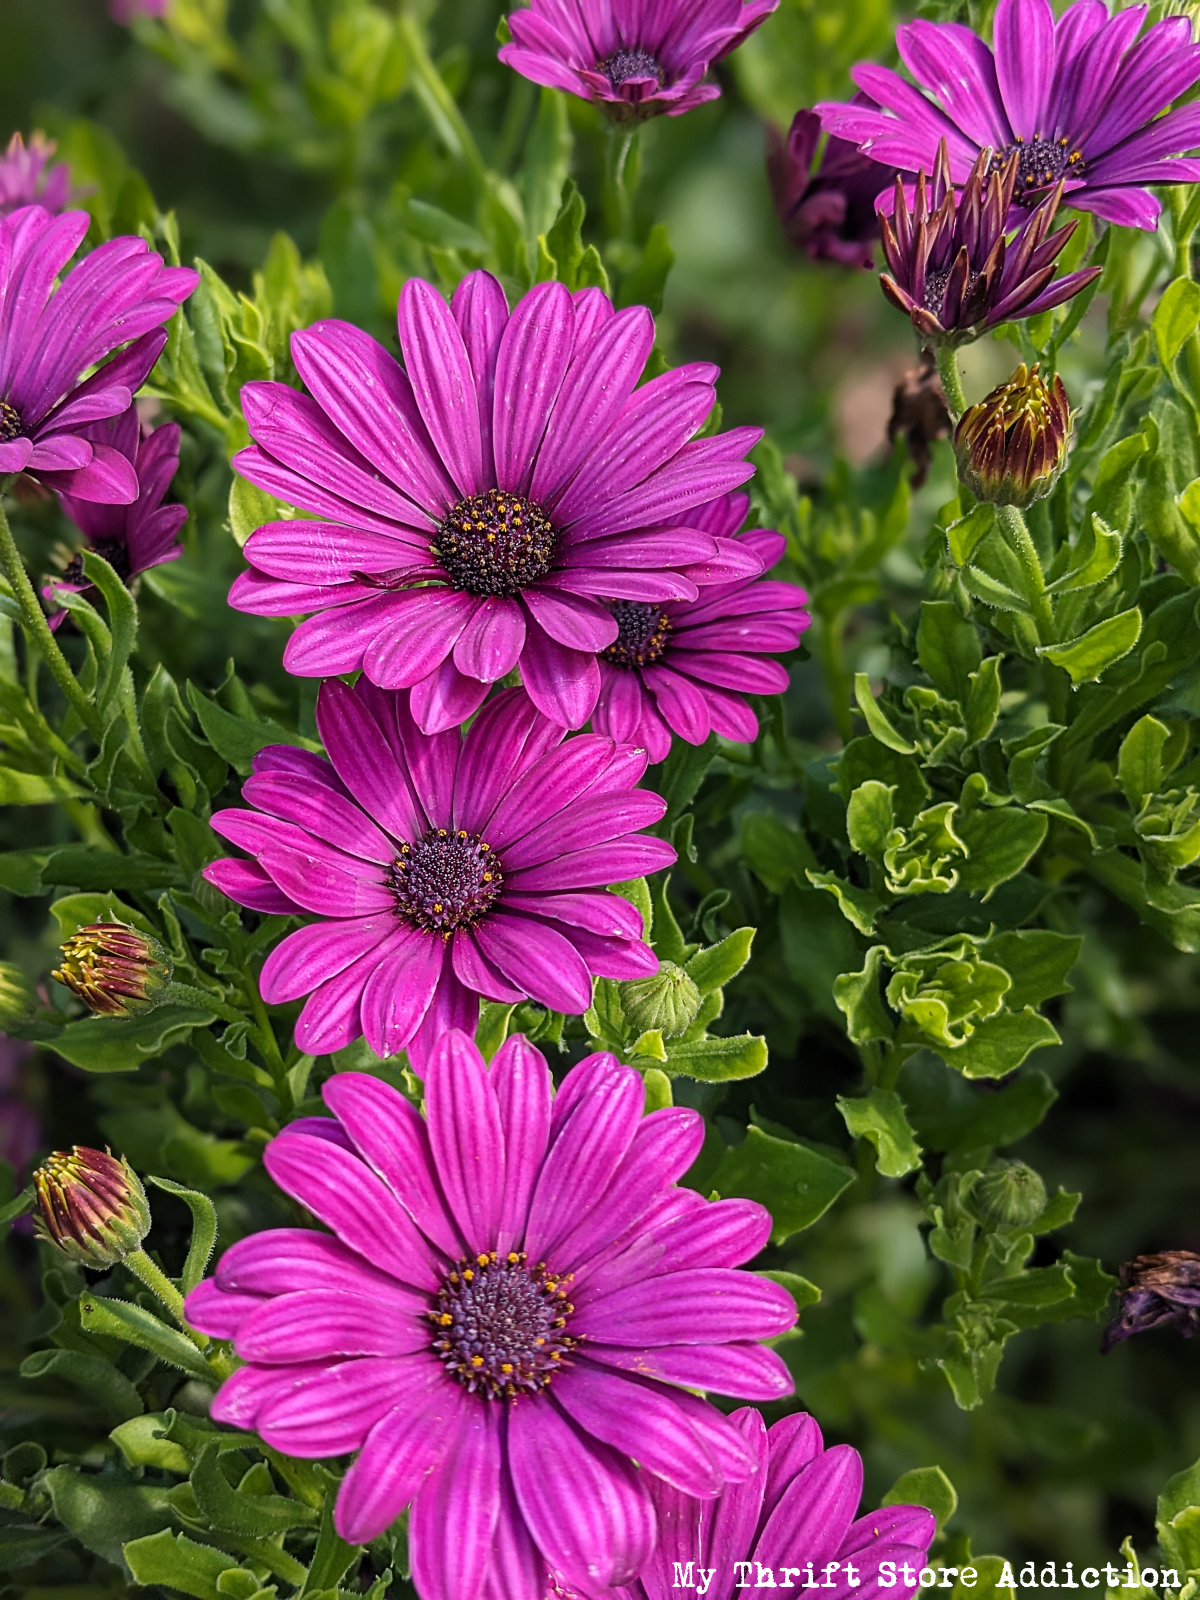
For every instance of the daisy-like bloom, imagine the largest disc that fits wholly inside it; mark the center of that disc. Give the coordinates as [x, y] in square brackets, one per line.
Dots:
[518, 1299]
[828, 213]
[954, 272]
[797, 1508]
[136, 537]
[477, 505]
[51, 332]
[442, 868]
[683, 668]
[1076, 100]
[28, 175]
[633, 58]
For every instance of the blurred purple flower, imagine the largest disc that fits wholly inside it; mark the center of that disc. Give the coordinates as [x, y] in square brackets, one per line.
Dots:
[952, 270]
[478, 504]
[633, 58]
[136, 537]
[1157, 1291]
[20, 1125]
[443, 868]
[1075, 99]
[683, 667]
[518, 1300]
[797, 1507]
[51, 332]
[829, 213]
[29, 177]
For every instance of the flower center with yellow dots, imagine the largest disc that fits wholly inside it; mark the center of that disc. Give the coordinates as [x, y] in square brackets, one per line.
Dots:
[446, 880]
[500, 1325]
[642, 631]
[10, 422]
[495, 543]
[1040, 165]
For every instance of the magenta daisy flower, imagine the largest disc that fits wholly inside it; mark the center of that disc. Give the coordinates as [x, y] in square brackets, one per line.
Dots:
[51, 332]
[29, 176]
[517, 1301]
[476, 507]
[1075, 99]
[633, 59]
[795, 1510]
[684, 667]
[442, 868]
[828, 212]
[136, 537]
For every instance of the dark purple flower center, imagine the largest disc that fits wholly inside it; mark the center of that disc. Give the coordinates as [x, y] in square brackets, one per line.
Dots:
[1040, 164]
[114, 551]
[495, 543]
[445, 880]
[501, 1325]
[625, 64]
[10, 422]
[935, 289]
[642, 630]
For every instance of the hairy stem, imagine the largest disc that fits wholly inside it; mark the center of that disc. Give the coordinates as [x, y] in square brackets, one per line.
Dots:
[37, 629]
[620, 178]
[1012, 524]
[956, 399]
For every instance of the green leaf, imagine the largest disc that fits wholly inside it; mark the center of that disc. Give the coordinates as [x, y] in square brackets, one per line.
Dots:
[982, 710]
[105, 1510]
[35, 788]
[122, 624]
[860, 907]
[775, 853]
[1087, 657]
[996, 1118]
[858, 997]
[1037, 961]
[928, 1487]
[1178, 1519]
[119, 1319]
[880, 1117]
[717, 1060]
[1000, 1044]
[1098, 562]
[21, 1545]
[82, 866]
[878, 723]
[999, 842]
[256, 1516]
[797, 1185]
[121, 1044]
[718, 965]
[1175, 319]
[682, 773]
[204, 1229]
[564, 240]
[948, 648]
[331, 1559]
[239, 738]
[818, 945]
[646, 284]
[143, 1443]
[249, 509]
[963, 536]
[1140, 760]
[870, 818]
[115, 1396]
[17, 1207]
[178, 1563]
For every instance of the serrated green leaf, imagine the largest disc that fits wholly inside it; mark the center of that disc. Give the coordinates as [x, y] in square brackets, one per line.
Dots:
[1091, 655]
[948, 648]
[143, 1443]
[256, 1516]
[718, 965]
[880, 1117]
[105, 1510]
[717, 1060]
[1098, 563]
[179, 1563]
[982, 710]
[870, 818]
[35, 788]
[858, 997]
[860, 907]
[204, 1229]
[999, 843]
[1037, 961]
[1000, 1044]
[121, 1044]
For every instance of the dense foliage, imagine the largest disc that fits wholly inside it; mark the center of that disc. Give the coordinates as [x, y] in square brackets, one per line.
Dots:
[932, 931]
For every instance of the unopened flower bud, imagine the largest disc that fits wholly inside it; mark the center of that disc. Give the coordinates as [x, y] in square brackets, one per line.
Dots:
[668, 1001]
[92, 1206]
[116, 970]
[1012, 446]
[1009, 1195]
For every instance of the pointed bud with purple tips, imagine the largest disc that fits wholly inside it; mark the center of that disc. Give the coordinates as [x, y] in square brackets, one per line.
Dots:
[117, 971]
[1012, 446]
[92, 1206]
[953, 268]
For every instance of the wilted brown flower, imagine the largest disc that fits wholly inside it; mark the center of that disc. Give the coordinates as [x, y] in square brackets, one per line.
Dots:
[919, 416]
[1157, 1291]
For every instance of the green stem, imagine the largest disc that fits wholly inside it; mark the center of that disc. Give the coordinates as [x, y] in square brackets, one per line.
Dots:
[956, 399]
[203, 997]
[1182, 215]
[1012, 524]
[159, 1285]
[37, 630]
[440, 105]
[620, 179]
[837, 679]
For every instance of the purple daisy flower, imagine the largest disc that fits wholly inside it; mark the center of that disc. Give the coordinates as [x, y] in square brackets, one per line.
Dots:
[443, 867]
[518, 1299]
[51, 332]
[1075, 99]
[683, 667]
[477, 505]
[28, 176]
[795, 1510]
[828, 213]
[136, 537]
[634, 58]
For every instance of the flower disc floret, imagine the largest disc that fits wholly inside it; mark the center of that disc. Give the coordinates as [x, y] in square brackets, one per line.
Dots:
[500, 1326]
[479, 505]
[1077, 99]
[515, 1305]
[440, 869]
[642, 631]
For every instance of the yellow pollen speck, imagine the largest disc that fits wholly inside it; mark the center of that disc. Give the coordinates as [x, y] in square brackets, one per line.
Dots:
[476, 1361]
[513, 1258]
[482, 1260]
[445, 1320]
[468, 1276]
[506, 1367]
